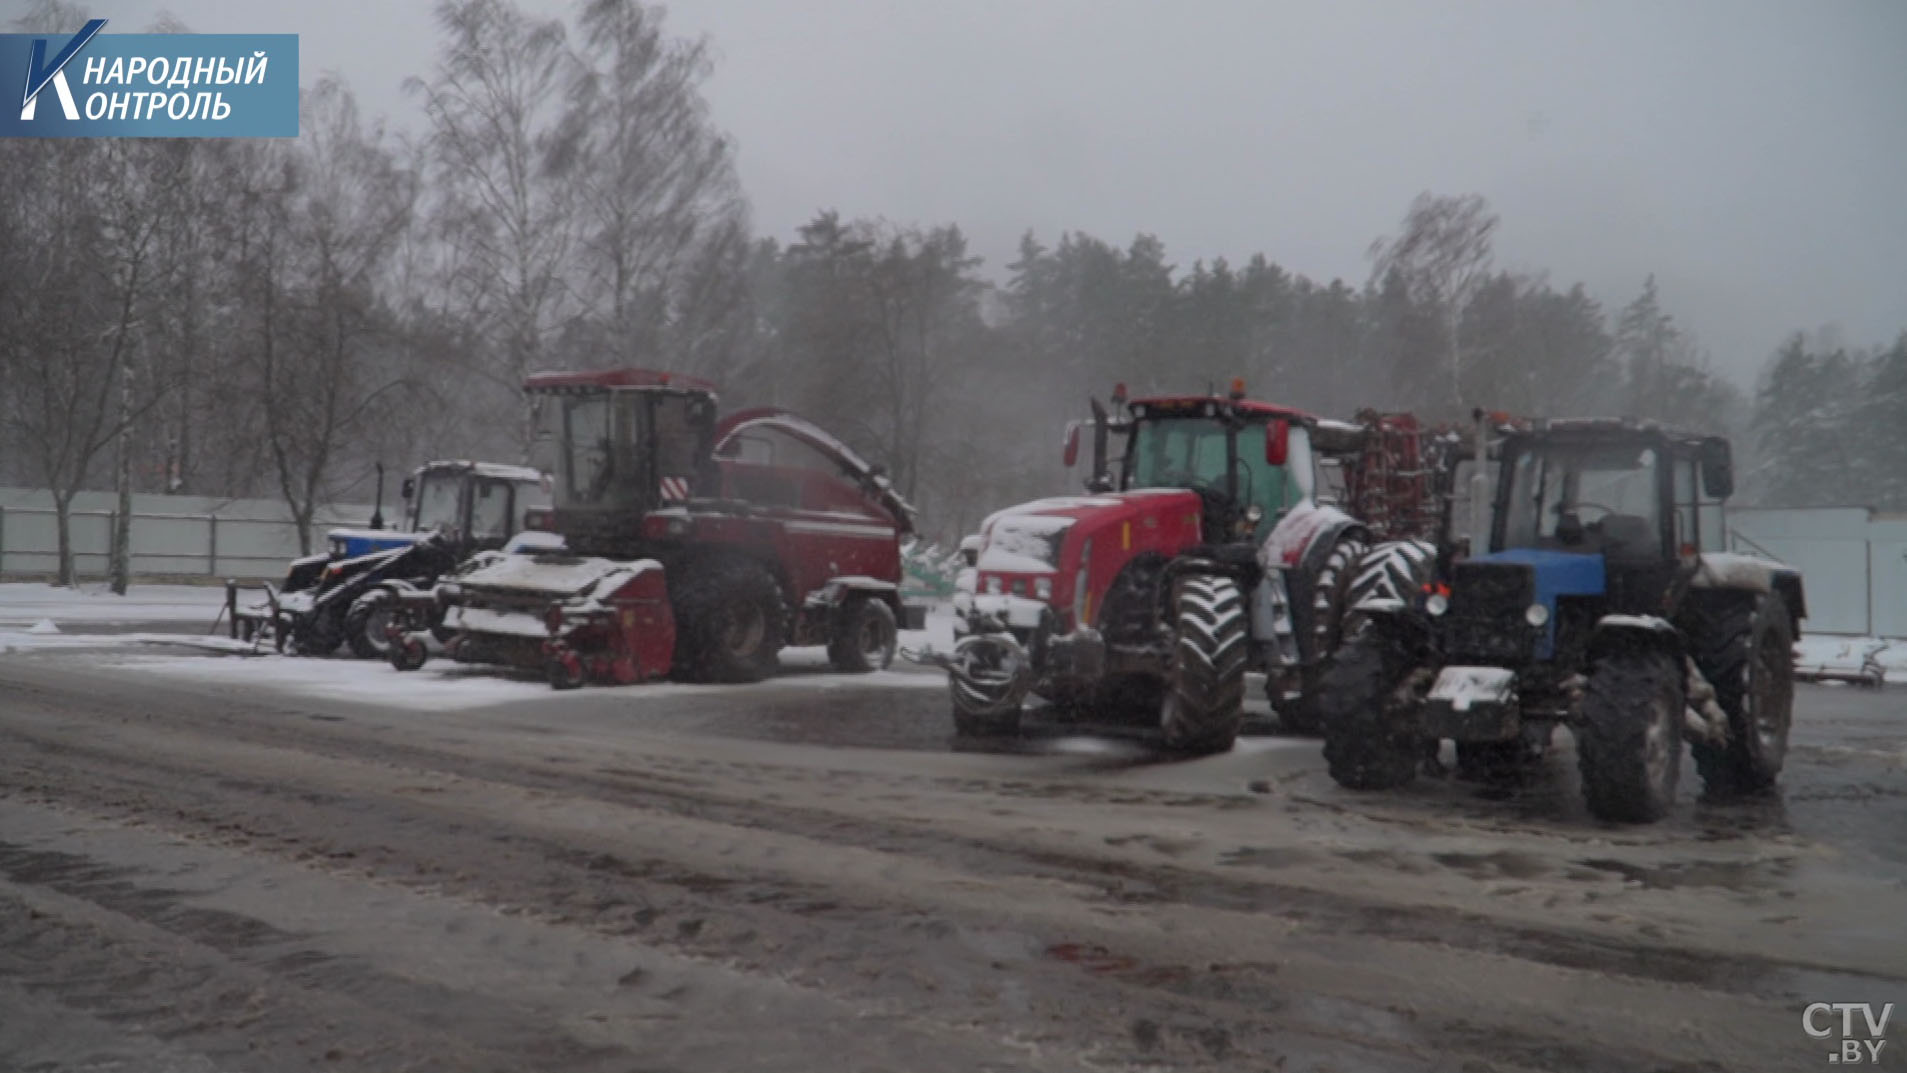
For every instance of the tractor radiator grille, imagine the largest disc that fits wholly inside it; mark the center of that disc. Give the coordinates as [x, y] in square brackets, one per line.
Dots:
[1485, 623]
[1491, 591]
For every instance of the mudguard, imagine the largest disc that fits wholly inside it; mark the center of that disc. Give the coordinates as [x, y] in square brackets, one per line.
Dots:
[1613, 631]
[1304, 536]
[1749, 573]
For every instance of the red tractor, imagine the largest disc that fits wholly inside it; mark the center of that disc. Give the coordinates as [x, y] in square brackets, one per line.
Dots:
[1201, 553]
[691, 546]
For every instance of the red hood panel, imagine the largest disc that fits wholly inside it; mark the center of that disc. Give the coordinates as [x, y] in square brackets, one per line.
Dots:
[1108, 507]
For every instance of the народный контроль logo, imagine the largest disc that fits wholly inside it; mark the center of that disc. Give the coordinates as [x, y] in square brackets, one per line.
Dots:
[100, 85]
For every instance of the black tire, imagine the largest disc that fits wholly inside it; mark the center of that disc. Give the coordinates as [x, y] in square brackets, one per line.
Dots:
[561, 674]
[1330, 593]
[1205, 692]
[865, 636]
[1745, 648]
[320, 632]
[730, 620]
[1389, 570]
[1629, 734]
[1370, 731]
[408, 654]
[364, 624]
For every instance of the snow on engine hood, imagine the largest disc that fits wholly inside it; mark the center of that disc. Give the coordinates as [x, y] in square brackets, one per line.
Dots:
[1024, 543]
[1026, 539]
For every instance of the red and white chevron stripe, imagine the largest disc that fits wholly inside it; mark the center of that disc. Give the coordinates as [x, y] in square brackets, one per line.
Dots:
[675, 489]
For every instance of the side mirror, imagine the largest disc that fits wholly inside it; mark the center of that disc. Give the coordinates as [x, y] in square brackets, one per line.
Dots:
[1718, 469]
[1071, 450]
[1277, 442]
[410, 487]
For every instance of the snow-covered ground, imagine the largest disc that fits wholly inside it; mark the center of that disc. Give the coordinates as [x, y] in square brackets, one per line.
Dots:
[27, 604]
[40, 617]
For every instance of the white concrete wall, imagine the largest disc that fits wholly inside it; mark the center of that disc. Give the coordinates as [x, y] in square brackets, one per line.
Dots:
[173, 535]
[1853, 560]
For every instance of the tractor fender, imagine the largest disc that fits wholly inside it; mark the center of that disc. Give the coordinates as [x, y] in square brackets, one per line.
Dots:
[1731, 571]
[837, 590]
[1623, 631]
[1304, 536]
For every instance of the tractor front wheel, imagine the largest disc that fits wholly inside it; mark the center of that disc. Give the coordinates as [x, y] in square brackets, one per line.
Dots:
[1629, 735]
[319, 632]
[364, 624]
[1205, 694]
[865, 636]
[1370, 731]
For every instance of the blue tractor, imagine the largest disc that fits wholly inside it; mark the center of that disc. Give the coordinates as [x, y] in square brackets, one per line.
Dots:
[345, 597]
[1602, 599]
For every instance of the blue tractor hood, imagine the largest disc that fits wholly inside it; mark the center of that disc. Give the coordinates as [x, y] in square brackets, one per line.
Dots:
[1555, 573]
[1558, 573]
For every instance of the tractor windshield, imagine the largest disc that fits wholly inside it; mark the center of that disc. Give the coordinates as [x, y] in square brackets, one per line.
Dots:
[1189, 452]
[1582, 497]
[439, 504]
[597, 450]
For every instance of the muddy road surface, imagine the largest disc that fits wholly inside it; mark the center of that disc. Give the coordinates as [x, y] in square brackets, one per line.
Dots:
[228, 865]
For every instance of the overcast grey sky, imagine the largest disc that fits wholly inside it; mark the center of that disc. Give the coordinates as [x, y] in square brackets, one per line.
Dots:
[1752, 154]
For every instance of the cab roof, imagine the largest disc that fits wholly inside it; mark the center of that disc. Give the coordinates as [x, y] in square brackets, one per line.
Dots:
[608, 379]
[1245, 406]
[1618, 429]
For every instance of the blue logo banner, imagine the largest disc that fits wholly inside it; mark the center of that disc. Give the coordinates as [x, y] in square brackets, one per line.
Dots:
[99, 85]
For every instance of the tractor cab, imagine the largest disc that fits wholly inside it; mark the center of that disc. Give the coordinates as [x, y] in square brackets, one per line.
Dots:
[1602, 516]
[474, 506]
[1249, 462]
[621, 445]
[1604, 602]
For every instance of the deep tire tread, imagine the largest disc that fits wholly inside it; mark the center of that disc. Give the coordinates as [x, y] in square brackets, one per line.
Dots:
[1205, 698]
[1612, 734]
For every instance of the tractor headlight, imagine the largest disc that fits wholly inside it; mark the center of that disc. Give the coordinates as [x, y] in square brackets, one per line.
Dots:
[1436, 604]
[1043, 587]
[1536, 615]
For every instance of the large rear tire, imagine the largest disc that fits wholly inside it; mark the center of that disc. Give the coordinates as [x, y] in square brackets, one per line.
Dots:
[1328, 607]
[865, 636]
[1370, 731]
[364, 624]
[1629, 735]
[730, 620]
[1205, 697]
[1745, 648]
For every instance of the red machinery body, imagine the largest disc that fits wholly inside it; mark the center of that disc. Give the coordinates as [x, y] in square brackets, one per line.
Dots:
[692, 546]
[1221, 550]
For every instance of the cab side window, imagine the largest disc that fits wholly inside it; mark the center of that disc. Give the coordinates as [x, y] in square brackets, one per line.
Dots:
[490, 511]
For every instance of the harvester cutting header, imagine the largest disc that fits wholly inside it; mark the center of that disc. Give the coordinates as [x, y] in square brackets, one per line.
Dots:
[694, 546]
